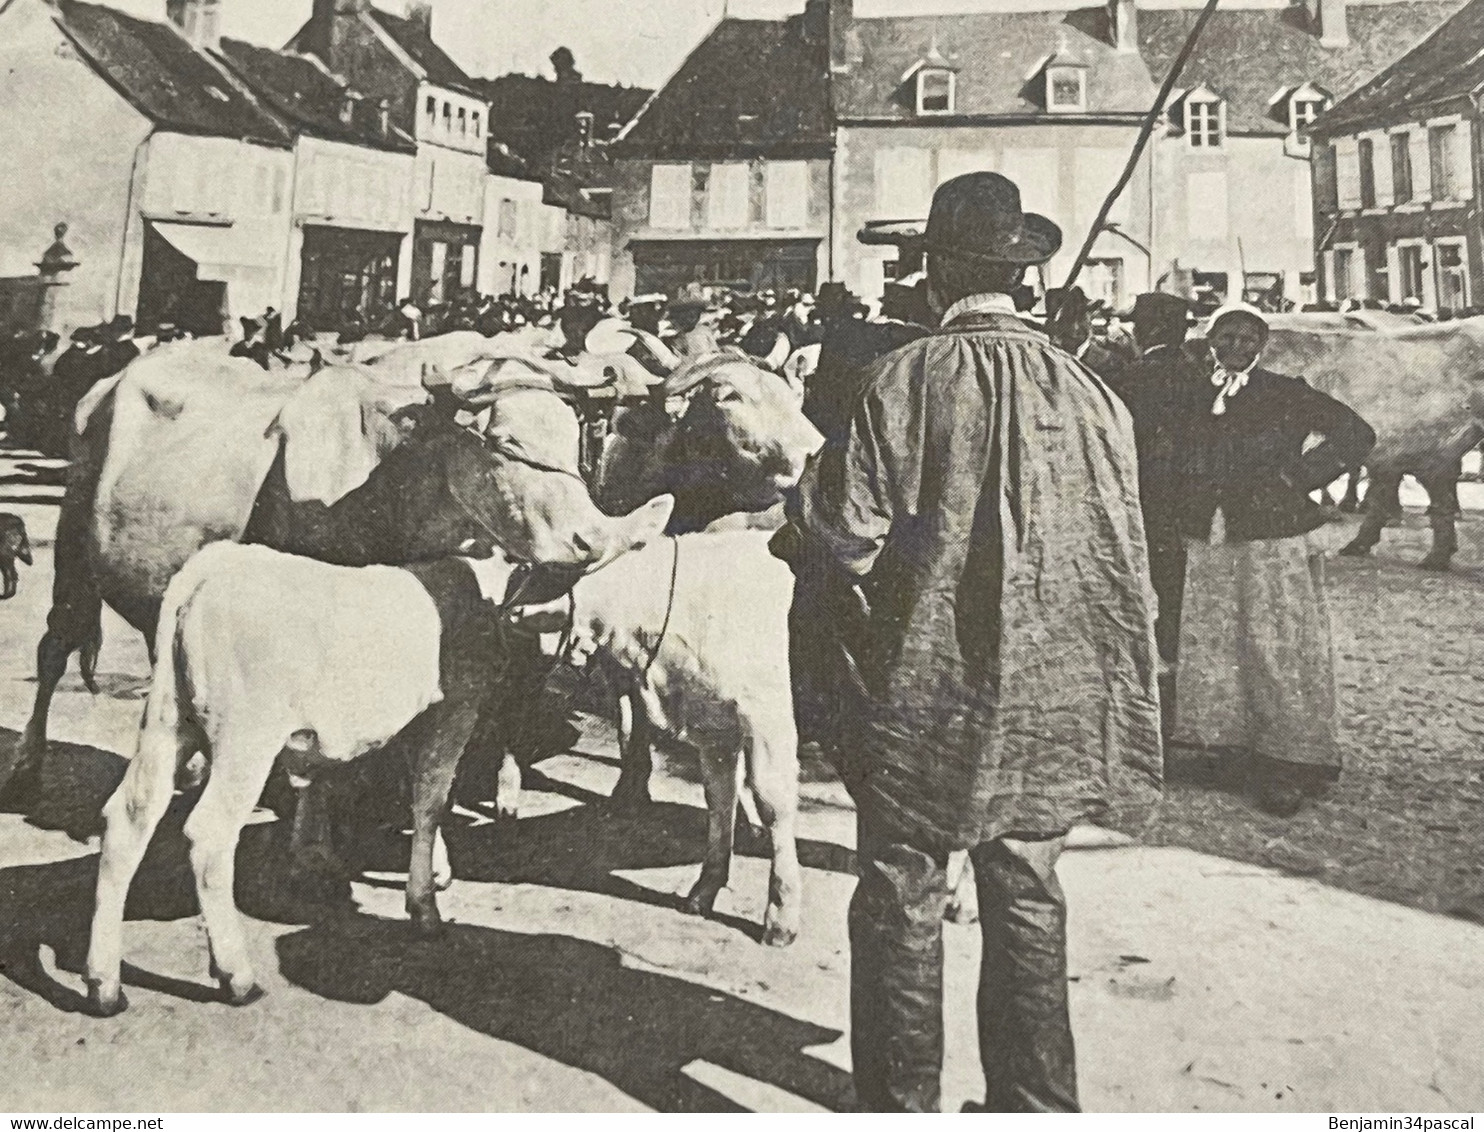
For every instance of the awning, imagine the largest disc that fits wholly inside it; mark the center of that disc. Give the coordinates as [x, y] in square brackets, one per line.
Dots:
[895, 233]
[218, 252]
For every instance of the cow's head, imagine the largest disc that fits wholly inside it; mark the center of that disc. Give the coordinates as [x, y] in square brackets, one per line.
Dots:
[743, 430]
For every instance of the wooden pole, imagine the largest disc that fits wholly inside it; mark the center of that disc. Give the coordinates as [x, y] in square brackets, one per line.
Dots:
[1145, 132]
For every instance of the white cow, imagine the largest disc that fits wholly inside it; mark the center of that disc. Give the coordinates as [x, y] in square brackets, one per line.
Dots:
[693, 630]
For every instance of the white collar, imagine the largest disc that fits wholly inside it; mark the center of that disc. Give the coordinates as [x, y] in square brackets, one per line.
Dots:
[980, 304]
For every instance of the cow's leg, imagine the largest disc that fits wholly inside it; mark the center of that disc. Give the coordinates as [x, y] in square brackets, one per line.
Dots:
[1382, 502]
[963, 900]
[773, 775]
[20, 775]
[1442, 515]
[11, 578]
[130, 818]
[719, 774]
[636, 753]
[451, 725]
[313, 863]
[1351, 501]
[242, 759]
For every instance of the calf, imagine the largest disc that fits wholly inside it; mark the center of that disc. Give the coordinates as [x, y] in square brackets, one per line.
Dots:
[262, 654]
[693, 630]
[13, 545]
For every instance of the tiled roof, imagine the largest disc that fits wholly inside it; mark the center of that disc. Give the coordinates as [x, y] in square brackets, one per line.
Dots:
[298, 89]
[999, 59]
[165, 78]
[751, 86]
[411, 38]
[1249, 56]
[1449, 64]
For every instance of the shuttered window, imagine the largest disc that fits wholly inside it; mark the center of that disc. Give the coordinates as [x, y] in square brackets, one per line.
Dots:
[669, 196]
[727, 196]
[786, 191]
[1347, 173]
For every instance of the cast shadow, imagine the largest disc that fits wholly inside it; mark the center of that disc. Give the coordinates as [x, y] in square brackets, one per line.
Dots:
[574, 1002]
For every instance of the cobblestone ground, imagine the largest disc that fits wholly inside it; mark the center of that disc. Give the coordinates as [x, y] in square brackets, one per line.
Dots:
[1406, 822]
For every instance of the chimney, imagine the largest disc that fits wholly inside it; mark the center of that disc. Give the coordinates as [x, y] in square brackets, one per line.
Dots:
[420, 12]
[348, 103]
[844, 38]
[320, 36]
[199, 21]
[1334, 28]
[816, 25]
[1123, 23]
[384, 117]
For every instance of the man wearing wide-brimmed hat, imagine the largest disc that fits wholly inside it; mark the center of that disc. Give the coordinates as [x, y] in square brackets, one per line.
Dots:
[980, 516]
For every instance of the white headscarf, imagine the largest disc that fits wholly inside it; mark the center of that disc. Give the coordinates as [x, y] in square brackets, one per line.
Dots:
[1231, 382]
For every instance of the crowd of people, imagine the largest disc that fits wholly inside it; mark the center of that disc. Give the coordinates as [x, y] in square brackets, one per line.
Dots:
[1033, 554]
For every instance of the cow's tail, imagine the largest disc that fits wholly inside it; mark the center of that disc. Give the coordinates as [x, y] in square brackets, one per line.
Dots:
[162, 711]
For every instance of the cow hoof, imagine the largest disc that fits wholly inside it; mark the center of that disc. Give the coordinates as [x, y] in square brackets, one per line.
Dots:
[244, 997]
[629, 802]
[101, 1005]
[1436, 563]
[1353, 550]
[429, 929]
[776, 935]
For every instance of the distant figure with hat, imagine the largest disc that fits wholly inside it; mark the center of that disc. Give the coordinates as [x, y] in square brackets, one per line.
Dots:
[1069, 323]
[978, 527]
[1153, 387]
[693, 334]
[1255, 684]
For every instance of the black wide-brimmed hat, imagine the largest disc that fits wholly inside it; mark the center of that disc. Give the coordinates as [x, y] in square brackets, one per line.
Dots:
[977, 217]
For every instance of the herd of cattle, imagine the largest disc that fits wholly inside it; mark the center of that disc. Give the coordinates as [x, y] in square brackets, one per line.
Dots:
[345, 514]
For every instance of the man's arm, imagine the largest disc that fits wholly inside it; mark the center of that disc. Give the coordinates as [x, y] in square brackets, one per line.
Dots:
[843, 505]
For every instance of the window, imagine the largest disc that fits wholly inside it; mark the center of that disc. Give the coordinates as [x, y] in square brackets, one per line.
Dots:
[935, 90]
[507, 220]
[669, 196]
[1339, 285]
[1450, 161]
[463, 122]
[448, 117]
[1366, 152]
[430, 111]
[1401, 168]
[727, 195]
[1409, 260]
[786, 194]
[1066, 88]
[476, 123]
[1302, 113]
[1453, 275]
[1203, 122]
[1347, 173]
[1440, 160]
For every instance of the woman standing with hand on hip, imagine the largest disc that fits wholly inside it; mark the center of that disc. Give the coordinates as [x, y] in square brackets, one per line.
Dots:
[1256, 673]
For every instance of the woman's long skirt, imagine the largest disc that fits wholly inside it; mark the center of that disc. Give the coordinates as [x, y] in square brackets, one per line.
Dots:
[1257, 668]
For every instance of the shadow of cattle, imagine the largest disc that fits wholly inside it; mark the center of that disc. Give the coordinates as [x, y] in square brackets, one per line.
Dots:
[574, 1002]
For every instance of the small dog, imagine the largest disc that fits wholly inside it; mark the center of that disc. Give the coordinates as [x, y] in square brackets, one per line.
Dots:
[13, 544]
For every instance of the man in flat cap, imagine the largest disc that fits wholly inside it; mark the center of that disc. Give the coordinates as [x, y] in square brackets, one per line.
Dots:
[981, 514]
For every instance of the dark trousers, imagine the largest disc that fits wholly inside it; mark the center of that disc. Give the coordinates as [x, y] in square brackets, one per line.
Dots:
[896, 977]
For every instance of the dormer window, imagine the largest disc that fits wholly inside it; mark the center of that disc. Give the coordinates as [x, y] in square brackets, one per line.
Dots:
[1066, 88]
[932, 84]
[1205, 120]
[935, 91]
[1303, 113]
